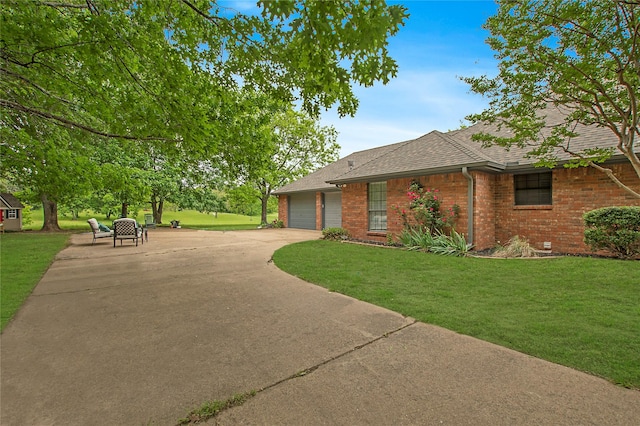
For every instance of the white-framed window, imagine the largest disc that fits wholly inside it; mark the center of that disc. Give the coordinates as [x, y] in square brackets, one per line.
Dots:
[378, 206]
[12, 214]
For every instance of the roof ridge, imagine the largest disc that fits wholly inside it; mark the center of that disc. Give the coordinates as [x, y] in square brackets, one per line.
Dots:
[464, 147]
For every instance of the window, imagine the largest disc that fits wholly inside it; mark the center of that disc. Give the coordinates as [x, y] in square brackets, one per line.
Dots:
[378, 206]
[533, 189]
[12, 214]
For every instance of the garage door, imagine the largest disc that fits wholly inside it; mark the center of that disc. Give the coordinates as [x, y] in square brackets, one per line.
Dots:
[332, 210]
[302, 211]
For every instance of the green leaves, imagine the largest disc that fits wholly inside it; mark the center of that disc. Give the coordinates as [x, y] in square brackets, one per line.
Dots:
[581, 56]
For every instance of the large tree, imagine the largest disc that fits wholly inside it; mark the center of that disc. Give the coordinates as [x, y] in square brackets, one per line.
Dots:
[168, 71]
[271, 144]
[54, 166]
[581, 56]
[139, 69]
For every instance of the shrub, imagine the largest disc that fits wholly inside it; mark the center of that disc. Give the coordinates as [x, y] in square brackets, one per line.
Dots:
[454, 244]
[516, 247]
[614, 229]
[424, 210]
[335, 234]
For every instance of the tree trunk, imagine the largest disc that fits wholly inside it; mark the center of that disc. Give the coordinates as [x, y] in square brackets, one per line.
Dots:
[158, 214]
[264, 200]
[157, 205]
[50, 209]
[124, 211]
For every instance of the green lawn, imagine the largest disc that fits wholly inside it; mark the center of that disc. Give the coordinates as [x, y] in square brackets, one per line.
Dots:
[580, 312]
[187, 219]
[24, 258]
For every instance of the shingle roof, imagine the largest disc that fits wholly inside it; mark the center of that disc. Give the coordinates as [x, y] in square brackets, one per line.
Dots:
[318, 180]
[431, 153]
[10, 201]
[438, 152]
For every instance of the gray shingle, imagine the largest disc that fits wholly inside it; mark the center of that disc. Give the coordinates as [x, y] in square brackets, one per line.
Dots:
[438, 152]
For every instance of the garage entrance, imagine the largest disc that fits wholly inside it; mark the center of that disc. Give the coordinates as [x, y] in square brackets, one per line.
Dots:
[332, 212]
[302, 211]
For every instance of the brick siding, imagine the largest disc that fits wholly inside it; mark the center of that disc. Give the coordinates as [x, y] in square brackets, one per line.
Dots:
[574, 192]
[283, 209]
[496, 218]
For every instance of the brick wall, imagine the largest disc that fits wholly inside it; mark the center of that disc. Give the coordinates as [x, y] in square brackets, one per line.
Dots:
[574, 192]
[319, 211]
[484, 205]
[496, 218]
[283, 209]
[354, 210]
[451, 187]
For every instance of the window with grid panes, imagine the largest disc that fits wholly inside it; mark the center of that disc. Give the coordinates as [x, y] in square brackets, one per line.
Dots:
[378, 206]
[533, 189]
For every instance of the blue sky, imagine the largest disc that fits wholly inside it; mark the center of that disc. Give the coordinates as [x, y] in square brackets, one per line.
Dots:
[441, 41]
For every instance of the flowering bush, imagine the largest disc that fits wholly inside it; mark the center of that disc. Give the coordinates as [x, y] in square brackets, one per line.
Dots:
[424, 210]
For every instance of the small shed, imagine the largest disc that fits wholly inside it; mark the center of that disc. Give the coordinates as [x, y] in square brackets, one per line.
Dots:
[10, 212]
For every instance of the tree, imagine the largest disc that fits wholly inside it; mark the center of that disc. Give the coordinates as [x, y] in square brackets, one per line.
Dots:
[279, 145]
[54, 166]
[138, 69]
[168, 71]
[583, 57]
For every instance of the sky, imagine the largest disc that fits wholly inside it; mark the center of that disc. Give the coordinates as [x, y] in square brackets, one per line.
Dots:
[440, 42]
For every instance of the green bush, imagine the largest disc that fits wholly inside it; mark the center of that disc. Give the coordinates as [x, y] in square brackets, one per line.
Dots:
[335, 234]
[614, 229]
[454, 244]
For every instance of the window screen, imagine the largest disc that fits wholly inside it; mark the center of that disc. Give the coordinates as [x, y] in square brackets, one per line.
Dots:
[533, 189]
[378, 206]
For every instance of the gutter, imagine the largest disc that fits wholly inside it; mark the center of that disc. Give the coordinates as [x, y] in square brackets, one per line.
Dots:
[465, 173]
[487, 166]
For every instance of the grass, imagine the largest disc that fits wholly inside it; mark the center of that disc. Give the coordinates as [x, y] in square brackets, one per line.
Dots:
[211, 409]
[24, 258]
[187, 218]
[580, 312]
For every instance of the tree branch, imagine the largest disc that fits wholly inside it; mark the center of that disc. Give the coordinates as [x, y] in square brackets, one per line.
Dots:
[64, 5]
[614, 178]
[206, 16]
[40, 88]
[71, 124]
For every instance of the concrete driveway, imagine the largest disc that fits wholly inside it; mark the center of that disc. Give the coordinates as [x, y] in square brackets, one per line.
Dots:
[142, 335]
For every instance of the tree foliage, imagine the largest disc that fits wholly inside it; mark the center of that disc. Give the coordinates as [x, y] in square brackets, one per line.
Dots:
[275, 145]
[78, 73]
[161, 70]
[582, 56]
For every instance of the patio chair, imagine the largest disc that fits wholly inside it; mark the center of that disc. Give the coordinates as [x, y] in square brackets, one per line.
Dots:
[148, 221]
[127, 229]
[97, 233]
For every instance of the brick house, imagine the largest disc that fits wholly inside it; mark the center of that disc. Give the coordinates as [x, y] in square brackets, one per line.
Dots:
[499, 192]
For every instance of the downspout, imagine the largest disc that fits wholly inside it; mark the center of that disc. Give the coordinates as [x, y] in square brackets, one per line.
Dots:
[465, 173]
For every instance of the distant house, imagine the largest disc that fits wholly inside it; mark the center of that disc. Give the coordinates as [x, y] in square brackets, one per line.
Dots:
[500, 193]
[10, 212]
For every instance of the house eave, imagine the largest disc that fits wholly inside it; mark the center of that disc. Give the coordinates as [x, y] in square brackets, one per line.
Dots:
[486, 166]
[331, 188]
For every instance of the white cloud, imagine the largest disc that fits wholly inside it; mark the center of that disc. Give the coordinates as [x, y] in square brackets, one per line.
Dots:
[415, 103]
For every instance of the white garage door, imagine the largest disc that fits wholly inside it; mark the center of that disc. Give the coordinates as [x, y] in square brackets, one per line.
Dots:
[302, 211]
[332, 210]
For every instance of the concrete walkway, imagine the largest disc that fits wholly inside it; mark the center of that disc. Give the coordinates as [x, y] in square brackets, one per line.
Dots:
[142, 335]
